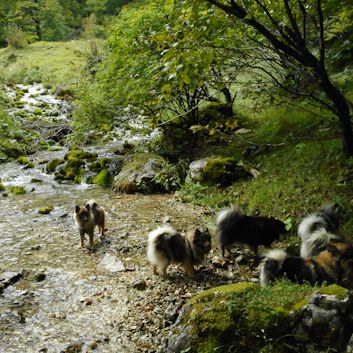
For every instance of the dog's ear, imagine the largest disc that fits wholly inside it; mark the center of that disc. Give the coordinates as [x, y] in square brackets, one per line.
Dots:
[197, 232]
[77, 209]
[88, 207]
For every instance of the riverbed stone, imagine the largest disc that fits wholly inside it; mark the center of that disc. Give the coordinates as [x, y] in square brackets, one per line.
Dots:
[111, 264]
[146, 173]
[9, 278]
[273, 318]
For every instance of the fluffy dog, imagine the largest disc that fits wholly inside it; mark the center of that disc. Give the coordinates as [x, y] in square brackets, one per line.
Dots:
[332, 265]
[234, 227]
[86, 218]
[317, 230]
[166, 246]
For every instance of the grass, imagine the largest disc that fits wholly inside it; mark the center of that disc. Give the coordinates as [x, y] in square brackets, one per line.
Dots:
[55, 64]
[301, 165]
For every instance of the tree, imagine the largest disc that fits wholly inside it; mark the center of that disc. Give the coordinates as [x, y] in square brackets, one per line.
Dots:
[295, 32]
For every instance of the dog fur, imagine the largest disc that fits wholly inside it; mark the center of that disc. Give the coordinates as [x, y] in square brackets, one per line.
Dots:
[332, 265]
[167, 246]
[234, 227]
[317, 230]
[86, 218]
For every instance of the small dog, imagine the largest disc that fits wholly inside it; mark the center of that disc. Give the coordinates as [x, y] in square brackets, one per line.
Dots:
[166, 246]
[86, 218]
[332, 265]
[234, 227]
[318, 229]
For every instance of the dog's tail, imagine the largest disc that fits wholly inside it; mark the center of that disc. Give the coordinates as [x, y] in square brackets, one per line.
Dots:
[316, 242]
[272, 265]
[158, 240]
[310, 224]
[226, 221]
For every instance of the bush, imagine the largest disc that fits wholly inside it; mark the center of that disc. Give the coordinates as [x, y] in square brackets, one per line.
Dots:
[15, 37]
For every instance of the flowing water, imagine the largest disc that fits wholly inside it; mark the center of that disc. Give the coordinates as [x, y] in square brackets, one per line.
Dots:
[74, 300]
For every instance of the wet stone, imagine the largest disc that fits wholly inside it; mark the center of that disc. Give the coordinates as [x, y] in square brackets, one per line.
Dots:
[9, 278]
[73, 348]
[139, 285]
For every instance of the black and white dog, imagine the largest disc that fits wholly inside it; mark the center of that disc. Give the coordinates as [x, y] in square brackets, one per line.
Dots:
[317, 229]
[234, 227]
[332, 265]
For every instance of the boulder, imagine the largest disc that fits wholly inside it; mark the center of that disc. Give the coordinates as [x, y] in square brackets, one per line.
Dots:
[282, 318]
[146, 173]
[217, 170]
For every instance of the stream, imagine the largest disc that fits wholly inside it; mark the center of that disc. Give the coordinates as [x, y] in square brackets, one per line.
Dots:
[60, 298]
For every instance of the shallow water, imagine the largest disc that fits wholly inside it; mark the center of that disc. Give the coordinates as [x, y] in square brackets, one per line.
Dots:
[67, 300]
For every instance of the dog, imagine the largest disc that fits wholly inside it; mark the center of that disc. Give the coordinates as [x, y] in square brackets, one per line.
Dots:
[318, 229]
[234, 227]
[167, 246]
[86, 218]
[332, 265]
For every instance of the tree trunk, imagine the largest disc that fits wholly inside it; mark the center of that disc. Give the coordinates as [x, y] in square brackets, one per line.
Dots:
[341, 110]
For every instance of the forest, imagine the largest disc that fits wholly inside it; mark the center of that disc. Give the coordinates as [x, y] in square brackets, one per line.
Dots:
[169, 113]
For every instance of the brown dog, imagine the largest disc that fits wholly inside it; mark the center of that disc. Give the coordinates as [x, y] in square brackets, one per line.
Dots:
[166, 246]
[86, 218]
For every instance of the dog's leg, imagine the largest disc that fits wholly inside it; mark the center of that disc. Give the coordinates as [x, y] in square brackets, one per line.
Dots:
[101, 230]
[189, 269]
[82, 239]
[164, 270]
[91, 239]
[155, 272]
[223, 248]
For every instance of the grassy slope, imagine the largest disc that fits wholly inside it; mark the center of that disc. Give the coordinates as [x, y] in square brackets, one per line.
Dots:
[52, 63]
[301, 165]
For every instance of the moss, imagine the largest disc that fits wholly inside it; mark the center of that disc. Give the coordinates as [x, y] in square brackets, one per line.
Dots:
[245, 315]
[333, 289]
[103, 178]
[16, 190]
[77, 154]
[52, 165]
[37, 111]
[25, 161]
[222, 170]
[2, 186]
[45, 210]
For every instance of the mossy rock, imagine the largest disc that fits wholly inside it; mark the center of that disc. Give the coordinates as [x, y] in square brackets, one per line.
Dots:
[25, 161]
[103, 178]
[45, 210]
[53, 164]
[78, 154]
[146, 173]
[16, 190]
[2, 186]
[245, 317]
[218, 170]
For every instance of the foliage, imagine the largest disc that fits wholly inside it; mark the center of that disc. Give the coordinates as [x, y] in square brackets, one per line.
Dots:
[53, 20]
[15, 37]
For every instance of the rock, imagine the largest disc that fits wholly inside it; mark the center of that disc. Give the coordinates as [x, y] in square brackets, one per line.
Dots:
[73, 348]
[219, 262]
[111, 263]
[246, 315]
[139, 285]
[166, 219]
[9, 278]
[39, 277]
[218, 170]
[146, 173]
